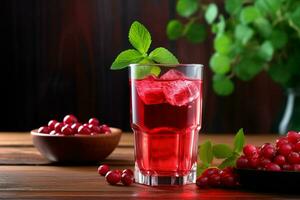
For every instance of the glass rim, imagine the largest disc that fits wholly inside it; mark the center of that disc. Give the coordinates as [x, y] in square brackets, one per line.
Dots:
[167, 65]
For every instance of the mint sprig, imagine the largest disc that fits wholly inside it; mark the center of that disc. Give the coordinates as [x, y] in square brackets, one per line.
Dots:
[140, 38]
[208, 151]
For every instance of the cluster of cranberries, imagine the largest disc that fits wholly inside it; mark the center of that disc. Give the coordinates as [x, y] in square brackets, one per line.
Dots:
[284, 156]
[113, 177]
[71, 126]
[214, 177]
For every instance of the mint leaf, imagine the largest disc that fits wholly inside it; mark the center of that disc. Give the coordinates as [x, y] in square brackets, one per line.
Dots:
[174, 29]
[268, 6]
[278, 38]
[266, 51]
[249, 14]
[248, 67]
[211, 13]
[206, 154]
[125, 58]
[222, 151]
[263, 27]
[239, 141]
[162, 55]
[223, 44]
[220, 64]
[233, 6]
[228, 162]
[222, 85]
[186, 8]
[195, 32]
[139, 37]
[243, 33]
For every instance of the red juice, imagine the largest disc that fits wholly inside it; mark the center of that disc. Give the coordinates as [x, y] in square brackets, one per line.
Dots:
[166, 118]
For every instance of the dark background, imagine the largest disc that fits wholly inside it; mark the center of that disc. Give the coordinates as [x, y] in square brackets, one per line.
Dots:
[56, 55]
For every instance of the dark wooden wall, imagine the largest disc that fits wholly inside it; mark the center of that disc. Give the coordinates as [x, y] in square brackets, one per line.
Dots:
[56, 56]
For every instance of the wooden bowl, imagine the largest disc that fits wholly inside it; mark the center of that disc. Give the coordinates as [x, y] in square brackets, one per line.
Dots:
[76, 148]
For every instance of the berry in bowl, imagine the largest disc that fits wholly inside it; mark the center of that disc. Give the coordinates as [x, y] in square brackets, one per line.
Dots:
[73, 141]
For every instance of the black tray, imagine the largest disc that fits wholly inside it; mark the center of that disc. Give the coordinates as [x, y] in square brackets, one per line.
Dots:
[282, 181]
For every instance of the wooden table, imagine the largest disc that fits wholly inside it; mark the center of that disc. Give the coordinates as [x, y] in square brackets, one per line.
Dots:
[24, 174]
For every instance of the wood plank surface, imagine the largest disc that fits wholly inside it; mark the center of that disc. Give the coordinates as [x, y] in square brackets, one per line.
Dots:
[24, 174]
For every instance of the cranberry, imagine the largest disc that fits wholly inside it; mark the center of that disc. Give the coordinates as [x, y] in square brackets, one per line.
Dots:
[126, 179]
[94, 128]
[293, 137]
[242, 162]
[279, 160]
[296, 148]
[228, 170]
[127, 171]
[94, 121]
[285, 149]
[214, 180]
[249, 150]
[104, 129]
[272, 167]
[51, 124]
[70, 119]
[202, 181]
[228, 181]
[281, 141]
[296, 167]
[86, 124]
[210, 171]
[118, 171]
[67, 130]
[75, 127]
[103, 169]
[58, 126]
[52, 132]
[294, 158]
[44, 129]
[253, 162]
[263, 162]
[265, 145]
[113, 177]
[287, 167]
[84, 130]
[268, 152]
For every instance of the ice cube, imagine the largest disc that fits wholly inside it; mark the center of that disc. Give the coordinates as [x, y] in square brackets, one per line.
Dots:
[180, 92]
[173, 74]
[150, 91]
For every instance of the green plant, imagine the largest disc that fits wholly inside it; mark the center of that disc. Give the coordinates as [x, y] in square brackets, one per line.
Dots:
[250, 37]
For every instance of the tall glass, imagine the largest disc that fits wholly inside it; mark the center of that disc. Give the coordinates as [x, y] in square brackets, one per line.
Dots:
[166, 111]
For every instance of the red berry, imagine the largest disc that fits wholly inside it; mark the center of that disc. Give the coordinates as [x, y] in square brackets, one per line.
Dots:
[70, 119]
[126, 179]
[51, 124]
[75, 127]
[272, 167]
[67, 130]
[293, 158]
[228, 181]
[210, 171]
[249, 150]
[268, 152]
[242, 162]
[287, 167]
[296, 148]
[113, 177]
[94, 128]
[253, 162]
[127, 171]
[44, 129]
[202, 181]
[293, 137]
[52, 132]
[94, 121]
[214, 180]
[285, 149]
[279, 160]
[58, 126]
[103, 169]
[86, 124]
[280, 141]
[265, 145]
[228, 170]
[84, 130]
[296, 167]
[118, 171]
[263, 162]
[104, 129]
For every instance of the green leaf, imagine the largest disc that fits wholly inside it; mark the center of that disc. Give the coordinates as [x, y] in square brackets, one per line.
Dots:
[220, 64]
[267, 7]
[206, 154]
[222, 151]
[278, 38]
[195, 32]
[233, 6]
[174, 29]
[222, 85]
[186, 8]
[220, 26]
[263, 27]
[266, 51]
[249, 14]
[211, 13]
[247, 68]
[162, 55]
[223, 44]
[155, 70]
[279, 73]
[243, 33]
[228, 162]
[239, 141]
[295, 17]
[139, 37]
[125, 58]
